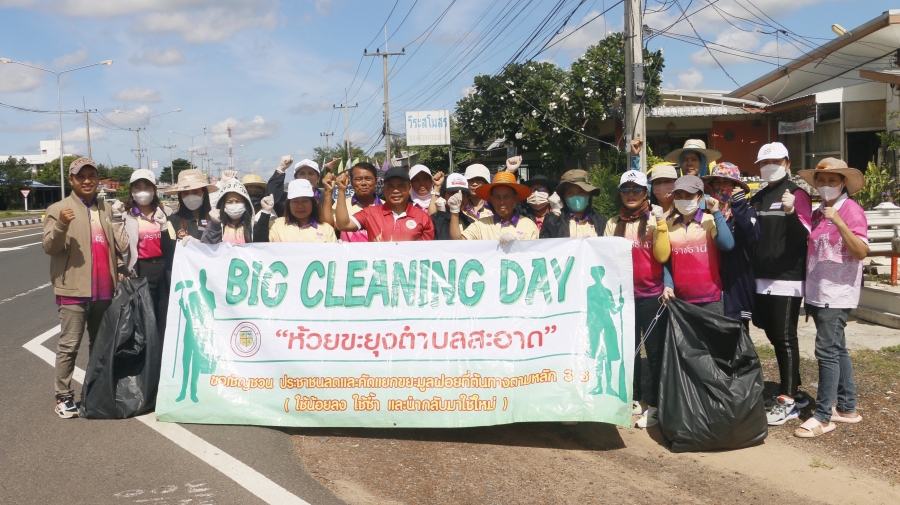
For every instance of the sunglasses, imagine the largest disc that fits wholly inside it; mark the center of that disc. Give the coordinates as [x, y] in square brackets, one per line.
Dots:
[631, 189]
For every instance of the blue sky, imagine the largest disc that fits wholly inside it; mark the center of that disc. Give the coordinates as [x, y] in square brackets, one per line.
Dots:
[273, 70]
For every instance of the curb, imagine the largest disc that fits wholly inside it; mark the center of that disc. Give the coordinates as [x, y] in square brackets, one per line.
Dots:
[20, 222]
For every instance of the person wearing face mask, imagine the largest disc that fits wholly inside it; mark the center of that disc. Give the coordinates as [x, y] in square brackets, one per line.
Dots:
[424, 185]
[363, 178]
[302, 221]
[189, 222]
[232, 219]
[537, 206]
[725, 185]
[256, 188]
[578, 216]
[837, 245]
[662, 187]
[646, 228]
[694, 157]
[779, 269]
[696, 236]
[474, 206]
[145, 219]
[440, 218]
[507, 225]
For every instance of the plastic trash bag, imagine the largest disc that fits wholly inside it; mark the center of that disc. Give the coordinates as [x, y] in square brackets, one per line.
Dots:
[122, 375]
[711, 383]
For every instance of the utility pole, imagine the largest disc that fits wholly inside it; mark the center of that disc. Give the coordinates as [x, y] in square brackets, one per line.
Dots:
[327, 147]
[171, 166]
[219, 164]
[387, 109]
[346, 106]
[635, 124]
[139, 151]
[87, 126]
[230, 150]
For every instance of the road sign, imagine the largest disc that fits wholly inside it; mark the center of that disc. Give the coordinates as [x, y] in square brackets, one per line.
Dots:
[154, 165]
[25, 192]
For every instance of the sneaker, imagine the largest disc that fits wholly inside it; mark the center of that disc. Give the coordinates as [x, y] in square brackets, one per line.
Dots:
[800, 400]
[66, 408]
[770, 402]
[638, 408]
[649, 418]
[782, 412]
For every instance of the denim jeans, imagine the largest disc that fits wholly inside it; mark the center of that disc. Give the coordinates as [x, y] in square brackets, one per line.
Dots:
[835, 367]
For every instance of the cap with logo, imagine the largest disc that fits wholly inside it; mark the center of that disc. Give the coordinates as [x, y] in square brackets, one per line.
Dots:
[773, 151]
[634, 176]
[455, 182]
[80, 163]
[143, 173]
[300, 188]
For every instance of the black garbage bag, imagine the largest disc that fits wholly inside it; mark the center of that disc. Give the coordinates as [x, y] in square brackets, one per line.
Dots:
[122, 375]
[711, 387]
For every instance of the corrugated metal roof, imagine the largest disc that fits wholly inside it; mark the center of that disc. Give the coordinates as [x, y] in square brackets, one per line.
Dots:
[696, 111]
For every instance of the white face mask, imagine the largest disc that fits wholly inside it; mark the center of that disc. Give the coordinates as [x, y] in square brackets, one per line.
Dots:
[830, 194]
[142, 197]
[772, 172]
[192, 202]
[235, 210]
[538, 199]
[687, 207]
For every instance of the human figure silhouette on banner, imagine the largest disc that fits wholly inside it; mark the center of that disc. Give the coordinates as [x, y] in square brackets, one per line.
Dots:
[604, 339]
[199, 333]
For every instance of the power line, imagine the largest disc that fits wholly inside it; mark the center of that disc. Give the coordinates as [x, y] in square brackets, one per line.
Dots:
[704, 45]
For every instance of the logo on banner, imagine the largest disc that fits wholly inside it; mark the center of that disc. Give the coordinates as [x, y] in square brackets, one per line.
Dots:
[246, 340]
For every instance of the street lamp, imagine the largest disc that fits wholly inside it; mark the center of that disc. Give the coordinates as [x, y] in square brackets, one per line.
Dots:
[62, 177]
[148, 118]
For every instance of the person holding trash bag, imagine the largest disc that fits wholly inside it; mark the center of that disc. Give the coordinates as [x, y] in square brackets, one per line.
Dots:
[232, 219]
[646, 228]
[725, 185]
[85, 250]
[578, 216]
[452, 184]
[779, 266]
[696, 236]
[302, 218]
[838, 244]
[192, 218]
[397, 220]
[145, 219]
[506, 225]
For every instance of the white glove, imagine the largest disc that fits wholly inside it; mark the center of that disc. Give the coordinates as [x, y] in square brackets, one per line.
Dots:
[285, 163]
[787, 202]
[160, 217]
[187, 239]
[507, 238]
[454, 203]
[229, 174]
[440, 204]
[657, 212]
[555, 203]
[268, 204]
[215, 215]
[513, 164]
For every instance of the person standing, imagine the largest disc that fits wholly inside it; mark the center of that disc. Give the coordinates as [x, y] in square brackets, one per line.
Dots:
[779, 269]
[838, 244]
[662, 187]
[397, 220]
[440, 218]
[85, 239]
[424, 187]
[363, 179]
[302, 221]
[506, 225]
[232, 219]
[475, 206]
[578, 216]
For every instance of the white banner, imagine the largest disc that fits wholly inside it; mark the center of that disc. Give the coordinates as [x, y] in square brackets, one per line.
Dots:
[807, 125]
[428, 128]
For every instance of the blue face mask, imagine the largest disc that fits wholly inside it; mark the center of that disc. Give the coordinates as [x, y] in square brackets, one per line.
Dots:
[577, 203]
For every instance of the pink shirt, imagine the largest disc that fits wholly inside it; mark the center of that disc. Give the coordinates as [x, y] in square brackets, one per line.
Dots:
[149, 238]
[833, 275]
[101, 277]
[648, 273]
[695, 259]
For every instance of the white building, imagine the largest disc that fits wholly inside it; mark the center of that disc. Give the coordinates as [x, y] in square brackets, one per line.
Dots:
[49, 152]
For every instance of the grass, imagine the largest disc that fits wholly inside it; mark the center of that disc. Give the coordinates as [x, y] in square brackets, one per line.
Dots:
[882, 366]
[893, 348]
[13, 213]
[818, 463]
[765, 351]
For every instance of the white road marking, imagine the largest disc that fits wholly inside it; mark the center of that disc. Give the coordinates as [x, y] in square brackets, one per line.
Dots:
[4, 249]
[243, 475]
[21, 236]
[32, 290]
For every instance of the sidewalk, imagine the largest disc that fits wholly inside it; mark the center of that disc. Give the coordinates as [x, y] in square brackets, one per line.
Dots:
[860, 335]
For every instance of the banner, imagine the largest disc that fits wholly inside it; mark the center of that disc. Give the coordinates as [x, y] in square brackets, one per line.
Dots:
[415, 334]
[428, 128]
[807, 125]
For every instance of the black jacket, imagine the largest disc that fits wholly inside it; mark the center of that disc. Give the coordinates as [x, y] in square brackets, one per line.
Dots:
[441, 222]
[558, 227]
[781, 251]
[736, 265]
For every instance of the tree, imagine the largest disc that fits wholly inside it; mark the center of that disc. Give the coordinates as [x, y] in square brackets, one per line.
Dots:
[180, 165]
[437, 158]
[48, 173]
[320, 154]
[121, 173]
[14, 175]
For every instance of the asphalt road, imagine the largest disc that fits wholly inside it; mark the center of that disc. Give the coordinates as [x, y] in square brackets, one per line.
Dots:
[48, 460]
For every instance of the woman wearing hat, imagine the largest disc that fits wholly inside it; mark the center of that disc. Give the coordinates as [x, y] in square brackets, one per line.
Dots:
[232, 219]
[192, 218]
[838, 244]
[474, 206]
[506, 225]
[696, 236]
[578, 216]
[736, 267]
[694, 157]
[302, 218]
[662, 186]
[144, 222]
[256, 188]
[424, 193]
[537, 206]
[440, 218]
[646, 229]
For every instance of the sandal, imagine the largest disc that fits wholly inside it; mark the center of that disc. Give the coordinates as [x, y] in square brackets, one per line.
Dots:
[813, 428]
[838, 418]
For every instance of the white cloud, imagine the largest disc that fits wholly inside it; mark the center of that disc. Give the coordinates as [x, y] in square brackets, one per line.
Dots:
[37, 127]
[780, 49]
[137, 95]
[301, 152]
[467, 91]
[113, 8]
[245, 131]
[323, 6]
[310, 107]
[210, 25]
[362, 137]
[80, 134]
[575, 42]
[165, 58]
[731, 38]
[69, 60]
[18, 78]
[692, 79]
[131, 119]
[340, 64]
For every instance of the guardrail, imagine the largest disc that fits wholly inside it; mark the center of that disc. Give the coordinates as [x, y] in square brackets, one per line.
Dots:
[884, 227]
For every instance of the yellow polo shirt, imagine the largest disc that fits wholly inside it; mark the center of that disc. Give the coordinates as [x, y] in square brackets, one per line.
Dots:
[520, 226]
[282, 231]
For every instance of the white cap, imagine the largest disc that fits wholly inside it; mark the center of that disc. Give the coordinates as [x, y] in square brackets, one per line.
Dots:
[143, 173]
[306, 163]
[457, 181]
[635, 176]
[773, 151]
[478, 170]
[418, 169]
[299, 188]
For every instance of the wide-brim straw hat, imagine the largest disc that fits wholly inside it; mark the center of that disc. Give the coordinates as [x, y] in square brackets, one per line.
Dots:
[578, 178]
[727, 171]
[253, 180]
[694, 145]
[503, 179]
[854, 180]
[664, 170]
[189, 180]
